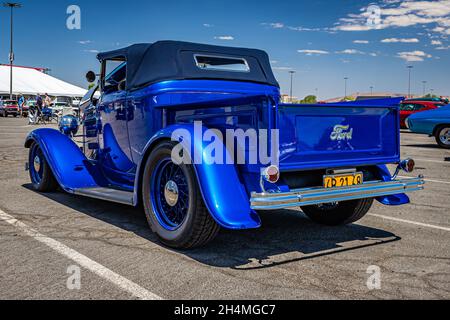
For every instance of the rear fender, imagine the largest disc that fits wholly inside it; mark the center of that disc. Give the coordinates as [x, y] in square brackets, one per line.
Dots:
[69, 165]
[393, 200]
[222, 191]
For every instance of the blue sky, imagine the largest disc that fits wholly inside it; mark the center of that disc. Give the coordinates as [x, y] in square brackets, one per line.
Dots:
[323, 41]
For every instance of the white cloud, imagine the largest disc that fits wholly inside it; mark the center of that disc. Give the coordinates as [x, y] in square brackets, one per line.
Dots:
[306, 29]
[401, 14]
[92, 51]
[436, 42]
[361, 41]
[225, 38]
[277, 25]
[313, 52]
[85, 41]
[395, 40]
[282, 68]
[413, 56]
[274, 25]
[350, 51]
[208, 25]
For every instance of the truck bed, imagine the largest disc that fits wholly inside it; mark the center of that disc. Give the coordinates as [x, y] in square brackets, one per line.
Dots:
[338, 135]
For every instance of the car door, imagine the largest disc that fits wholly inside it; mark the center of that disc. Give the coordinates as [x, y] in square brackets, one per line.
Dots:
[115, 155]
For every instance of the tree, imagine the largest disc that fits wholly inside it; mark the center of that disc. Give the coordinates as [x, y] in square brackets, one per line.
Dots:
[348, 99]
[311, 99]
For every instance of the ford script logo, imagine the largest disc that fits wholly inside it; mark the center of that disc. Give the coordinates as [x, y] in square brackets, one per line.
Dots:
[341, 133]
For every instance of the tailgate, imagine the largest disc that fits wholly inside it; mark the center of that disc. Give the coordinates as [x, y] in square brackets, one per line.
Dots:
[324, 136]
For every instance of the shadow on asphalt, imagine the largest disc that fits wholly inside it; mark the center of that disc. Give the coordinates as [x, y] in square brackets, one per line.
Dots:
[286, 236]
[426, 146]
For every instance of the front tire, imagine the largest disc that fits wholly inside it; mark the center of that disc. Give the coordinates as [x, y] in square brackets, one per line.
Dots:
[173, 203]
[341, 213]
[41, 174]
[442, 136]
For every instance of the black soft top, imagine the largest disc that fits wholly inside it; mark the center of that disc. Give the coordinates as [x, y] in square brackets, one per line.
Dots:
[174, 60]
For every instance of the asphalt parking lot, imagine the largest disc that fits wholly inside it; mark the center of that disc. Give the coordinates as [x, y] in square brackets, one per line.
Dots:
[42, 235]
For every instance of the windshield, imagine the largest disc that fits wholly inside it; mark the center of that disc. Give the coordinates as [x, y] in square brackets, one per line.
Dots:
[11, 103]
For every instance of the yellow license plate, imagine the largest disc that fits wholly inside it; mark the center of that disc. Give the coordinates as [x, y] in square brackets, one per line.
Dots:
[343, 180]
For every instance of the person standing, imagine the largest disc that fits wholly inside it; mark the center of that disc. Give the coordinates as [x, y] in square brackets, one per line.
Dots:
[21, 104]
[34, 111]
[47, 101]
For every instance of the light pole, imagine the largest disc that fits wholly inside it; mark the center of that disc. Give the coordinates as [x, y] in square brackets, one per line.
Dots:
[11, 5]
[409, 81]
[345, 80]
[371, 90]
[424, 87]
[292, 72]
[317, 93]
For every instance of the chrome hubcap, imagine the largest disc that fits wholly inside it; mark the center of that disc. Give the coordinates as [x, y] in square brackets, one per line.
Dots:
[37, 164]
[445, 136]
[171, 193]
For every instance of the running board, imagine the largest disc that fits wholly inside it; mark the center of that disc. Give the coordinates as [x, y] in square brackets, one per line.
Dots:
[107, 194]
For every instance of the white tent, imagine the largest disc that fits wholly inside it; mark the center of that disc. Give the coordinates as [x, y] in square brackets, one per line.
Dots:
[29, 81]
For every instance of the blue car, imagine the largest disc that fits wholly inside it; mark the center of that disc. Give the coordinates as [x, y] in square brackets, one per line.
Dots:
[435, 123]
[196, 135]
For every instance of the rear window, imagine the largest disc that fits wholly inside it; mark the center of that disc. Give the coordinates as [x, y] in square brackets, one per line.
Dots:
[220, 63]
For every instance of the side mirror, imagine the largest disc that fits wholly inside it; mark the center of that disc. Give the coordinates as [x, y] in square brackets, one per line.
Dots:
[91, 76]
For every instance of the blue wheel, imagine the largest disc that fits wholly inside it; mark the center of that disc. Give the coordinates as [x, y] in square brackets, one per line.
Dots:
[41, 175]
[173, 203]
[170, 194]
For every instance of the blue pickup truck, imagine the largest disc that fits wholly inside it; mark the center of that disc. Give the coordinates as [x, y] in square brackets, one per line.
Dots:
[196, 136]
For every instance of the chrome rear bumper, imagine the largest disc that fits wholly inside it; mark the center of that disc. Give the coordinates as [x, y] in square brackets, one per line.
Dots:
[311, 196]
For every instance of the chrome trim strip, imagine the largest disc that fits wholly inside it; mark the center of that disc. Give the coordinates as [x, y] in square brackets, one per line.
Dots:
[311, 196]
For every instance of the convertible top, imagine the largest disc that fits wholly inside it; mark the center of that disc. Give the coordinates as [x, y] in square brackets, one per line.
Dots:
[174, 60]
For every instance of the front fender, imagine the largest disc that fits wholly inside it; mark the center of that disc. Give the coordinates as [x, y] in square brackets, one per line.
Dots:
[392, 200]
[69, 165]
[223, 193]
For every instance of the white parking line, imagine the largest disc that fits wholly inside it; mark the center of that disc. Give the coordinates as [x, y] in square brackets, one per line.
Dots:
[410, 222]
[98, 269]
[429, 180]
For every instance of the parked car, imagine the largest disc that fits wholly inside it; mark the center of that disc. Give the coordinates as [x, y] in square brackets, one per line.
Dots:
[434, 123]
[62, 99]
[411, 107]
[76, 102]
[147, 140]
[9, 107]
[441, 101]
[62, 108]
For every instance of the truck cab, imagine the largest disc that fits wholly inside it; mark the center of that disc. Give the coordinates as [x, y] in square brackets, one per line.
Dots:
[197, 135]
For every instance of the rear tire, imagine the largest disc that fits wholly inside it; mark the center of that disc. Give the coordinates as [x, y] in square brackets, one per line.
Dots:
[173, 203]
[442, 136]
[41, 174]
[341, 213]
